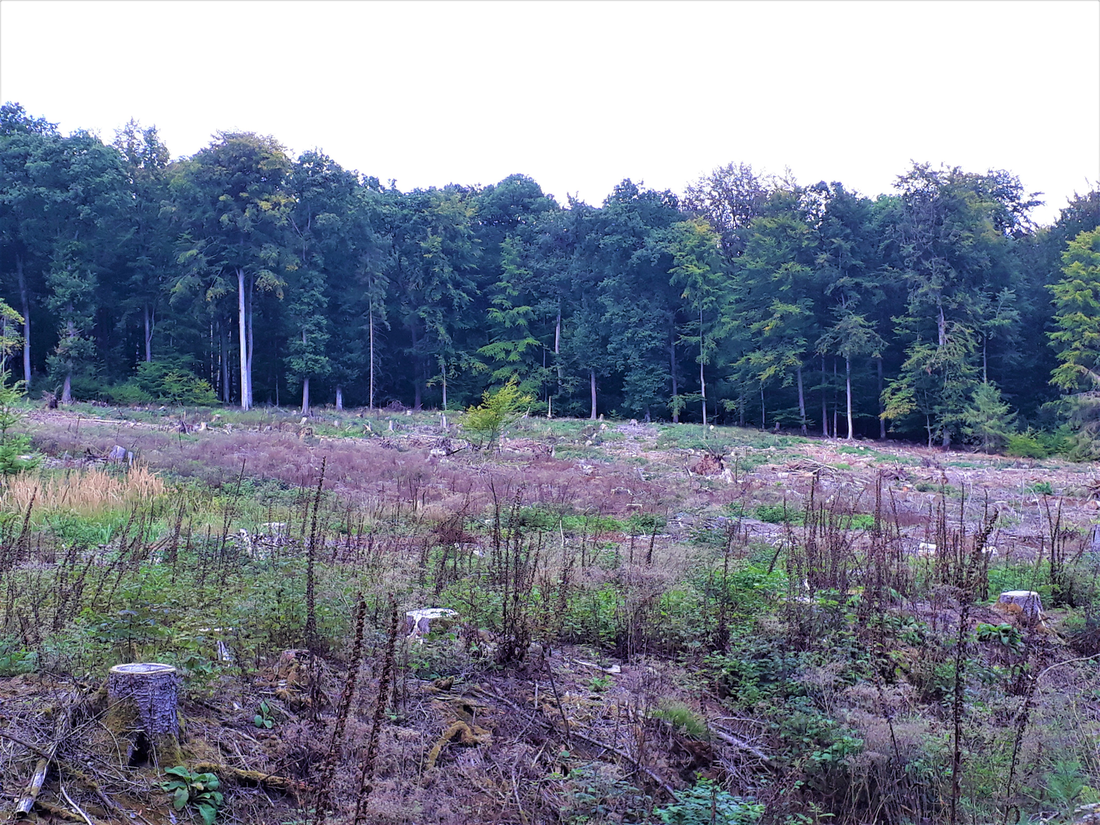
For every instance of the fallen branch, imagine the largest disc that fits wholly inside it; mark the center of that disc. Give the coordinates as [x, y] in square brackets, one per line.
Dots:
[624, 755]
[741, 744]
[266, 780]
[56, 810]
[83, 814]
[589, 740]
[34, 785]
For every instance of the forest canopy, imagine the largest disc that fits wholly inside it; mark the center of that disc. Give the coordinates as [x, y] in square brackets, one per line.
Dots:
[937, 311]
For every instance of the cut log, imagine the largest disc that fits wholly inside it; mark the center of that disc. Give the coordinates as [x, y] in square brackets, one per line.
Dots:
[143, 710]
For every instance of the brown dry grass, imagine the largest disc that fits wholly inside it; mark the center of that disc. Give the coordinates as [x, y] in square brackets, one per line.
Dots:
[81, 491]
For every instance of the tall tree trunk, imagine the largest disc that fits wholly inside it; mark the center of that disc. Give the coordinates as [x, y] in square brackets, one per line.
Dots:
[801, 400]
[824, 400]
[763, 417]
[557, 345]
[848, 393]
[592, 384]
[305, 395]
[25, 305]
[675, 386]
[881, 408]
[251, 325]
[67, 387]
[150, 321]
[702, 362]
[339, 398]
[443, 372]
[370, 321]
[242, 322]
[418, 373]
[836, 405]
[223, 341]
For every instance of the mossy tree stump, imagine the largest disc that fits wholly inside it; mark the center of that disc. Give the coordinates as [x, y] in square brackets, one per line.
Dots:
[143, 701]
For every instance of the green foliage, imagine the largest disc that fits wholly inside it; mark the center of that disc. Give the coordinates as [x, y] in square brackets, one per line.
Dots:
[778, 514]
[196, 790]
[486, 423]
[597, 792]
[13, 446]
[1005, 635]
[1038, 444]
[133, 630]
[263, 718]
[987, 420]
[158, 382]
[15, 659]
[682, 719]
[1077, 337]
[704, 803]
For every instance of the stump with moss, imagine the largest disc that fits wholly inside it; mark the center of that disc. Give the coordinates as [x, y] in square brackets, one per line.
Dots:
[143, 712]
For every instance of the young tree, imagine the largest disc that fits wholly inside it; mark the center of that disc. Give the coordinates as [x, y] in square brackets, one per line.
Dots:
[988, 420]
[486, 423]
[1077, 337]
[697, 272]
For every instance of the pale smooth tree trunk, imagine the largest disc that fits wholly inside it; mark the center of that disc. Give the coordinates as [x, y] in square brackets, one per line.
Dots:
[824, 402]
[881, 408]
[305, 395]
[675, 386]
[25, 303]
[245, 336]
[557, 346]
[370, 322]
[702, 380]
[801, 400]
[443, 372]
[848, 393]
[339, 398]
[150, 323]
[67, 387]
[592, 384]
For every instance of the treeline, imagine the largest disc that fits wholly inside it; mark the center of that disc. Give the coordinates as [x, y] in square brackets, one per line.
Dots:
[243, 274]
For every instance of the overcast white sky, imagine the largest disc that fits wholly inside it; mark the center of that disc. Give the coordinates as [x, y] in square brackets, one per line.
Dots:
[580, 95]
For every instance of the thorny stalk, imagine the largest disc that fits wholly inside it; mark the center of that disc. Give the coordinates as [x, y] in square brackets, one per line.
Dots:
[366, 777]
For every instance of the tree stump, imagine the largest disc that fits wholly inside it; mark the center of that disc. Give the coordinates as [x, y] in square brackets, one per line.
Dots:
[1024, 602]
[143, 700]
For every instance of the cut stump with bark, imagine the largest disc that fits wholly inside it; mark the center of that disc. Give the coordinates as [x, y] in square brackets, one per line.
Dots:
[143, 711]
[1024, 602]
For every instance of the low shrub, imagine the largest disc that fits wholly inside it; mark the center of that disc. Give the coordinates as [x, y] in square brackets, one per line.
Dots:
[158, 382]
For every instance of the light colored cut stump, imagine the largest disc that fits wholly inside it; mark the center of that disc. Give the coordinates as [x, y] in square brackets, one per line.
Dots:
[1027, 601]
[143, 710]
[421, 622]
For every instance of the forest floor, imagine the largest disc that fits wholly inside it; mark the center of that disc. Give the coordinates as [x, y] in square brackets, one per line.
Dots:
[651, 621]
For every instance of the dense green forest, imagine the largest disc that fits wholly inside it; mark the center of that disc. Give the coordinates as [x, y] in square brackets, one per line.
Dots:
[938, 311]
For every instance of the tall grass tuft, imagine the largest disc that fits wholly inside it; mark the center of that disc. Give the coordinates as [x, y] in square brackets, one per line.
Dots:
[84, 492]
